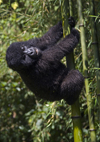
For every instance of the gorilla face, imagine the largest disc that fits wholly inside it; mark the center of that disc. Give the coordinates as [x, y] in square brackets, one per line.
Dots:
[19, 56]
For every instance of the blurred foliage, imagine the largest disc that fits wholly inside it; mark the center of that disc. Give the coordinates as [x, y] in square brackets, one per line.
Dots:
[22, 117]
[13, 105]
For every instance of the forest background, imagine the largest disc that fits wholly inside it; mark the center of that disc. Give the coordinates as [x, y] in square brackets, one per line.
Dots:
[23, 118]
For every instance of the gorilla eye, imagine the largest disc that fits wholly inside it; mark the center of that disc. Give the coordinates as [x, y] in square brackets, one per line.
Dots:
[23, 48]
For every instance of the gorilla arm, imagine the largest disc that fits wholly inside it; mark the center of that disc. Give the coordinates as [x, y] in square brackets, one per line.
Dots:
[64, 47]
[50, 38]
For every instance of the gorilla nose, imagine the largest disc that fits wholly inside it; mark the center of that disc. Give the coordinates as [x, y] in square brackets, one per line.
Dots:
[29, 51]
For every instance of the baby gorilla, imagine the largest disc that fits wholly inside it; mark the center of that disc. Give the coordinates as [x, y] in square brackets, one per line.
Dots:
[38, 63]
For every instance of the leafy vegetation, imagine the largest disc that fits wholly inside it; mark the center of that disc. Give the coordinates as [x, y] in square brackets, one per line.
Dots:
[23, 118]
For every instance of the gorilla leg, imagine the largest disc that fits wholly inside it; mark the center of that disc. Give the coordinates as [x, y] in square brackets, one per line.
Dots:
[71, 86]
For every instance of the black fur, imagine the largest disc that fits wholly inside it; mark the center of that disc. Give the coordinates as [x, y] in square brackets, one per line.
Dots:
[38, 63]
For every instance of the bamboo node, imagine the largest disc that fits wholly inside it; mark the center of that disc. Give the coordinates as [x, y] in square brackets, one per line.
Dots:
[74, 117]
[81, 25]
[92, 129]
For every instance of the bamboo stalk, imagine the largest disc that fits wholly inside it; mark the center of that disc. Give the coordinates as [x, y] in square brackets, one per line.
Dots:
[85, 70]
[76, 117]
[94, 45]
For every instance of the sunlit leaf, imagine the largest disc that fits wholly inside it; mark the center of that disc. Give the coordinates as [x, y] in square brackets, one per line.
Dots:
[14, 5]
